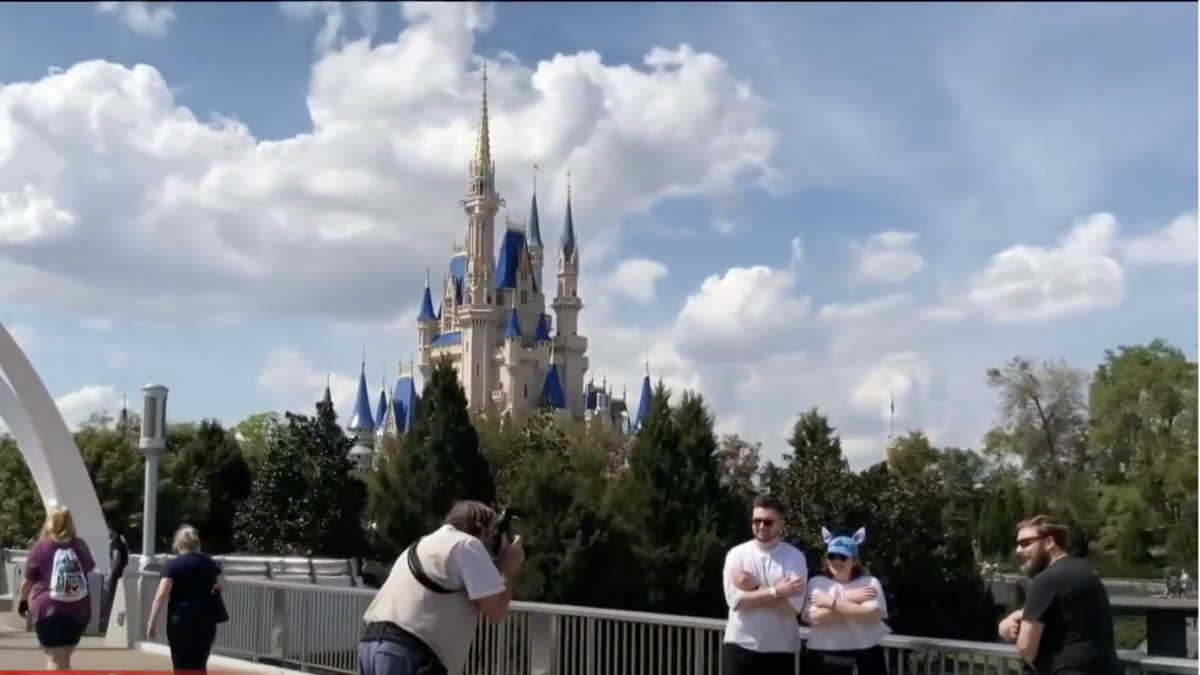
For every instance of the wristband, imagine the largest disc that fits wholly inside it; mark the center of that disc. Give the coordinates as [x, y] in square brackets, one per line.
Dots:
[774, 592]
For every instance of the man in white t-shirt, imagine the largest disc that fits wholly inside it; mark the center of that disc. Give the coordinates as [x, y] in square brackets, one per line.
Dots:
[765, 580]
[422, 621]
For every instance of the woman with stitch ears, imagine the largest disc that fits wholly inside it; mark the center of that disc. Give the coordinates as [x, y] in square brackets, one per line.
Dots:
[846, 610]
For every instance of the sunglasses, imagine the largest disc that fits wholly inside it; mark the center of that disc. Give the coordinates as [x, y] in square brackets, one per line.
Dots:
[836, 557]
[763, 522]
[1028, 541]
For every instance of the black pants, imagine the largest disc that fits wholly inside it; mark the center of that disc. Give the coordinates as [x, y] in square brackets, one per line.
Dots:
[742, 661]
[191, 641]
[59, 630]
[866, 662]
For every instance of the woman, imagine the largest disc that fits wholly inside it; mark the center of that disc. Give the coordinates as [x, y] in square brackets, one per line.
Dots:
[846, 610]
[55, 588]
[190, 585]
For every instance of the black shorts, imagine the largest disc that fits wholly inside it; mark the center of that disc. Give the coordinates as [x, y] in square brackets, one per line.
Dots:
[59, 630]
[742, 661]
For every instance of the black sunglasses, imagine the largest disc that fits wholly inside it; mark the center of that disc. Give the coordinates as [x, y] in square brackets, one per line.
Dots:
[836, 557]
[763, 522]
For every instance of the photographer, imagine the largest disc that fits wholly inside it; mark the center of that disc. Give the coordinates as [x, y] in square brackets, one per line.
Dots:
[423, 619]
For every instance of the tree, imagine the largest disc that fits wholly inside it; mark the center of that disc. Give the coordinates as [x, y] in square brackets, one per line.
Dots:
[912, 454]
[255, 432]
[213, 462]
[815, 466]
[681, 515]
[741, 460]
[305, 499]
[21, 509]
[442, 463]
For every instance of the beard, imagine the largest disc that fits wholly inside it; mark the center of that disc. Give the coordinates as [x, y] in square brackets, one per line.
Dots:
[1037, 564]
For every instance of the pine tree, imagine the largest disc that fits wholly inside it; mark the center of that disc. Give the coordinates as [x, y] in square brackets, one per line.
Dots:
[816, 469]
[441, 464]
[681, 513]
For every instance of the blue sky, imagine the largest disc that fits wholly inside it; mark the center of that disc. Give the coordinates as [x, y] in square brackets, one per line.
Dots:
[783, 205]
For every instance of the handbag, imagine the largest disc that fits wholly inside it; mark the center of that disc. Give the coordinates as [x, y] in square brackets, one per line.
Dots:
[220, 612]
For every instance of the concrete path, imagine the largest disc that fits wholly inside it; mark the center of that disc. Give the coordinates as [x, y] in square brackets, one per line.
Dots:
[19, 651]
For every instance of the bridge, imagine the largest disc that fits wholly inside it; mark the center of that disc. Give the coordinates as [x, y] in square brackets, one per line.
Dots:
[300, 615]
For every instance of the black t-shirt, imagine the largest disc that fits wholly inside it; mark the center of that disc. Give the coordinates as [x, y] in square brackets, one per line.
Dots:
[1071, 603]
[193, 577]
[118, 555]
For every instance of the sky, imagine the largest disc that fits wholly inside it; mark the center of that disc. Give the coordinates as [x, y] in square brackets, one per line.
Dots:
[780, 205]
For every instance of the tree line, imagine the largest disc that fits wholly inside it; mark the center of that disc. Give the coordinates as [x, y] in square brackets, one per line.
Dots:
[643, 522]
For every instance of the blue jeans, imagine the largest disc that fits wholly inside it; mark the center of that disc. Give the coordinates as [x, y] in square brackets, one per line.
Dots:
[380, 656]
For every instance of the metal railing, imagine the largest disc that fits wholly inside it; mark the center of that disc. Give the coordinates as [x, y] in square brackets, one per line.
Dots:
[316, 629]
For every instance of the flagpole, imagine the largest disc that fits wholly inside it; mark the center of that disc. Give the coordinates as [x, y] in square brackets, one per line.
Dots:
[891, 416]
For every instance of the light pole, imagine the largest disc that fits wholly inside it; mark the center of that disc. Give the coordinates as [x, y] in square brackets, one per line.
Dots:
[153, 443]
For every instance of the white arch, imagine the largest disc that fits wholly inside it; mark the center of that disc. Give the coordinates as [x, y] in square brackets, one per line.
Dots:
[48, 446]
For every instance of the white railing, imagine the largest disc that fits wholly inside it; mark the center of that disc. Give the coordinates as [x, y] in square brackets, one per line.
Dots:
[316, 629]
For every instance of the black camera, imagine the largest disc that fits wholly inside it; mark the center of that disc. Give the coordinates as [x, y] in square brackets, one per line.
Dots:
[502, 530]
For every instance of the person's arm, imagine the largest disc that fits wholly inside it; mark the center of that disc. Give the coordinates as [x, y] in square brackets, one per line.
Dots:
[33, 572]
[1039, 598]
[874, 609]
[485, 585]
[796, 565]
[736, 598]
[164, 591]
[85, 556]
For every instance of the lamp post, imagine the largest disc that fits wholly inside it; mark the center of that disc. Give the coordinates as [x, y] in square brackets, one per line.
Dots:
[153, 443]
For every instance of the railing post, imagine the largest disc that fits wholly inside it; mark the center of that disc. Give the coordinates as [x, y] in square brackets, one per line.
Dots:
[589, 646]
[279, 623]
[543, 643]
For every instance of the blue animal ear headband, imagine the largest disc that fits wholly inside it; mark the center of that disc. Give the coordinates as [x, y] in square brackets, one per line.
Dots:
[847, 546]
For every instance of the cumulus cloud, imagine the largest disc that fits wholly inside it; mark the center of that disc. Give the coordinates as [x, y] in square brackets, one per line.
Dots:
[636, 278]
[889, 257]
[335, 17]
[206, 221]
[144, 18]
[77, 406]
[1033, 283]
[1174, 244]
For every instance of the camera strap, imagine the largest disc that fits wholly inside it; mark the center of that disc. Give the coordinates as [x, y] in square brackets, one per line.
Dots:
[418, 572]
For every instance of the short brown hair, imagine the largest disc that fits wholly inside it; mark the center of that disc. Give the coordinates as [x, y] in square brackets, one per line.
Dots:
[474, 518]
[1046, 527]
[770, 502]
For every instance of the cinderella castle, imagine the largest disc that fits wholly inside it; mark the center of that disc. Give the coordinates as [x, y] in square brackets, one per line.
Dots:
[490, 318]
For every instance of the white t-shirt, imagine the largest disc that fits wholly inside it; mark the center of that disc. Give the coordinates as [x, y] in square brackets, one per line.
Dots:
[469, 566]
[843, 633]
[764, 629]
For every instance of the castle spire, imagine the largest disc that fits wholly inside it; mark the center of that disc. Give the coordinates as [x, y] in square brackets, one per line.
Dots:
[482, 163]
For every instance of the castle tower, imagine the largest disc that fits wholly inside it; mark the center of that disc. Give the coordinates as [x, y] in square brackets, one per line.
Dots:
[427, 328]
[533, 235]
[478, 316]
[569, 346]
[362, 425]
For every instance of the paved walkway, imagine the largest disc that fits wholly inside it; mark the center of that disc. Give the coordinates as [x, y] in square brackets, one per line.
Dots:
[19, 651]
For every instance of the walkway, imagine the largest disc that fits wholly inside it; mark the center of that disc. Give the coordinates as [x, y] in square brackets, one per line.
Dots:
[19, 651]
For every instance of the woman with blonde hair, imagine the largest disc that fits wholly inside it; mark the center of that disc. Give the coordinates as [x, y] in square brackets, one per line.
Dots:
[55, 588]
[193, 586]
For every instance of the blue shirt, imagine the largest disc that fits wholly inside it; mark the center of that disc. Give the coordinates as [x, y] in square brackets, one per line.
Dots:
[193, 577]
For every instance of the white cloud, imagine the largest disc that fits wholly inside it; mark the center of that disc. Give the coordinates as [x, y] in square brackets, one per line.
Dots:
[636, 278]
[393, 124]
[335, 17]
[291, 383]
[77, 406]
[797, 248]
[889, 257]
[145, 18]
[1035, 283]
[1174, 244]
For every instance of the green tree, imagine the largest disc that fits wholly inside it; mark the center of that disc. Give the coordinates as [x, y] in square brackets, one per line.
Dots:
[442, 463]
[21, 509]
[682, 517]
[741, 460]
[255, 433]
[305, 498]
[815, 467]
[912, 454]
[212, 461]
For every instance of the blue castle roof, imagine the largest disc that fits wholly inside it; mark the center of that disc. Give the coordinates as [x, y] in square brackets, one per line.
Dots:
[427, 313]
[552, 390]
[542, 333]
[643, 402]
[361, 420]
[567, 241]
[512, 330]
[535, 225]
[381, 408]
[404, 403]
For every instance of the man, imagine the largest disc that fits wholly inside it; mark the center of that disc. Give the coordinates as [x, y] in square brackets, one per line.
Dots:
[764, 587]
[1066, 626]
[118, 556]
[423, 619]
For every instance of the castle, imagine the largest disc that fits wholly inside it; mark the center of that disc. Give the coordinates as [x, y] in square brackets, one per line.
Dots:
[490, 319]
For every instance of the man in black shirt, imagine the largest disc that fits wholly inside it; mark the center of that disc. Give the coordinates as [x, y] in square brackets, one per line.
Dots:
[1066, 626]
[118, 556]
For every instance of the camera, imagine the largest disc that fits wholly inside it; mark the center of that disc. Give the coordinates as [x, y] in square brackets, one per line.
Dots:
[502, 530]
